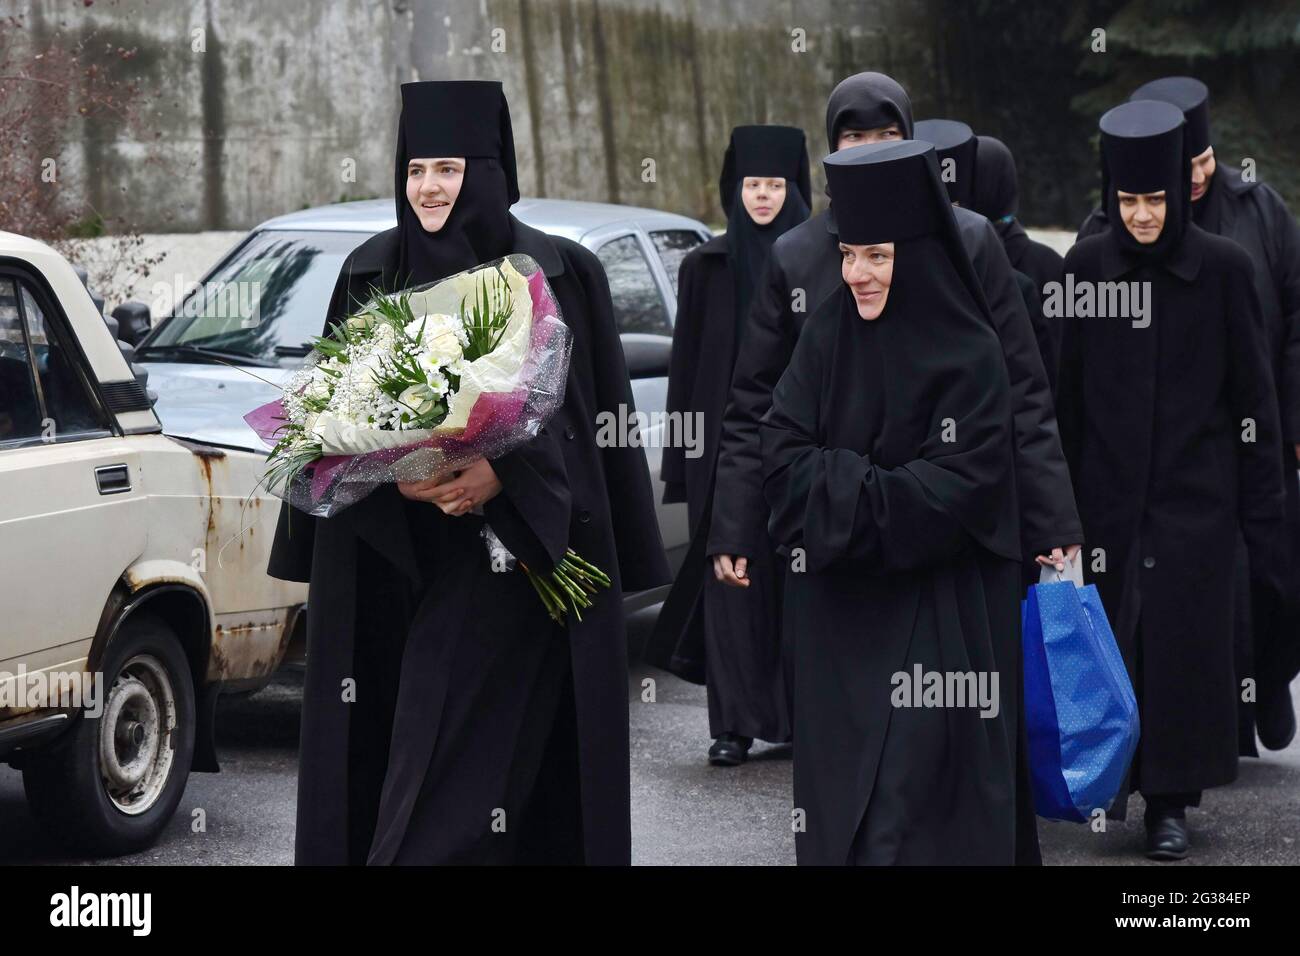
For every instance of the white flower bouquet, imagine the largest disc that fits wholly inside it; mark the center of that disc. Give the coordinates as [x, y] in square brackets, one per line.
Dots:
[420, 384]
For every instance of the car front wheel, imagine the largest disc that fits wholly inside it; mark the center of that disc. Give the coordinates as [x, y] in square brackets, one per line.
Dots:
[111, 784]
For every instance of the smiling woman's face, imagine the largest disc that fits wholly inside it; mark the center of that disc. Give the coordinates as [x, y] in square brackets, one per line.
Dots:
[432, 186]
[868, 271]
[1143, 214]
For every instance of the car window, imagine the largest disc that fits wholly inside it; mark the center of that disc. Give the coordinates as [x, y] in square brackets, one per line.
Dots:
[272, 293]
[638, 305]
[672, 246]
[68, 404]
[20, 413]
[61, 406]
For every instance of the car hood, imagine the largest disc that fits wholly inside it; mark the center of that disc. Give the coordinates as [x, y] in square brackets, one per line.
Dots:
[207, 403]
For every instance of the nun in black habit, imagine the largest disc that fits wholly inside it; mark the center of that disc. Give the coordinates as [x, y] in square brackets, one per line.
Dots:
[728, 638]
[888, 459]
[1171, 428]
[1254, 216]
[996, 196]
[446, 719]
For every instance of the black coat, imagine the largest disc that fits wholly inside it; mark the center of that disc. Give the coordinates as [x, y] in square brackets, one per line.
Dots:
[802, 271]
[1047, 329]
[709, 632]
[897, 581]
[1152, 420]
[1254, 216]
[404, 601]
[699, 377]
[1040, 264]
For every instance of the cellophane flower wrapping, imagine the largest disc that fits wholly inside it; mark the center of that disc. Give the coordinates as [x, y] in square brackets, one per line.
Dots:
[417, 385]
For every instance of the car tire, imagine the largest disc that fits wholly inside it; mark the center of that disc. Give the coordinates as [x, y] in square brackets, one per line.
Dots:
[110, 785]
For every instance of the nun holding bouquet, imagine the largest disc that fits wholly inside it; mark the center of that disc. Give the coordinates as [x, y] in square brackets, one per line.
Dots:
[420, 384]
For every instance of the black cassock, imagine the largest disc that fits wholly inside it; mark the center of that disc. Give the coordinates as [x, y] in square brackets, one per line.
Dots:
[1255, 217]
[1153, 419]
[888, 460]
[708, 632]
[1047, 329]
[1164, 480]
[460, 673]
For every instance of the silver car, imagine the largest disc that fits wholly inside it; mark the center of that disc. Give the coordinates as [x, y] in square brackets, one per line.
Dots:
[208, 371]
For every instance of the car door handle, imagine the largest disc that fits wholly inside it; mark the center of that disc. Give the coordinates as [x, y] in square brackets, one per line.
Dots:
[112, 479]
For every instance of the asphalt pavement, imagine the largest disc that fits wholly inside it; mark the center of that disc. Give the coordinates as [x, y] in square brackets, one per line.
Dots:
[684, 812]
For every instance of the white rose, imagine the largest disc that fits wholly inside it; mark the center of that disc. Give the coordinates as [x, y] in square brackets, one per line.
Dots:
[418, 399]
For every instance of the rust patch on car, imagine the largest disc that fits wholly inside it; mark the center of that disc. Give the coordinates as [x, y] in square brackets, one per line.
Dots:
[241, 651]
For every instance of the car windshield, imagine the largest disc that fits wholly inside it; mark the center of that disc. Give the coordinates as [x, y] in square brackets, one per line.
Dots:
[265, 302]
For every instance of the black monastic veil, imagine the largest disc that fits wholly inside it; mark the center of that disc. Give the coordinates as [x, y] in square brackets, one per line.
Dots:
[766, 152]
[888, 461]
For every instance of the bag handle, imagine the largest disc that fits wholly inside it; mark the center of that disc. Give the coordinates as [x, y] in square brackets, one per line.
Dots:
[1073, 572]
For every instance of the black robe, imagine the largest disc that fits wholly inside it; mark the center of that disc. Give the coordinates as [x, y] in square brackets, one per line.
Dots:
[806, 261]
[1255, 217]
[912, 560]
[709, 632]
[472, 709]
[1047, 329]
[1040, 262]
[1151, 419]
[728, 638]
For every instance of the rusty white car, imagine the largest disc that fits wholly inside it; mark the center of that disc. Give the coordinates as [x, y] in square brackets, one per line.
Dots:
[132, 571]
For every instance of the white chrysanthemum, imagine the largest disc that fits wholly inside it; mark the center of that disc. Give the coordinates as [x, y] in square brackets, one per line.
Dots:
[438, 382]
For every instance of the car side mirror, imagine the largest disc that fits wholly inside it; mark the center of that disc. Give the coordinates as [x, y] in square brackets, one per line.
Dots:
[115, 326]
[647, 356]
[133, 321]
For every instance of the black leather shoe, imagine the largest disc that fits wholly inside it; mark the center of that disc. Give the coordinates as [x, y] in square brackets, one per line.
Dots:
[1166, 837]
[1275, 719]
[730, 750]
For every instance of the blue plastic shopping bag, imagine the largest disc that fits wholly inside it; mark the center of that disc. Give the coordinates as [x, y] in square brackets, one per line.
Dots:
[1080, 711]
